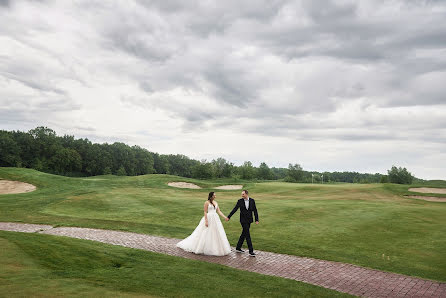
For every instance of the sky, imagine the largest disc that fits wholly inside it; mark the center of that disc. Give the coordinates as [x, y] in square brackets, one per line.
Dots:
[330, 85]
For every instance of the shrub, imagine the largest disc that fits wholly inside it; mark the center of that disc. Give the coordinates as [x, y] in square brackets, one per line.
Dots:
[121, 172]
[399, 175]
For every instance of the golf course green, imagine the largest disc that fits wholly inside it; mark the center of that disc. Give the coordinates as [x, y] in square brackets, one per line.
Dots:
[371, 225]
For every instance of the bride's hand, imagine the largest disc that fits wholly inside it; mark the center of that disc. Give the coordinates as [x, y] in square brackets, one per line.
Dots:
[206, 223]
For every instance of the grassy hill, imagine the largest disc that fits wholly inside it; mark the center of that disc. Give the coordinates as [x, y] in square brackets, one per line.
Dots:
[371, 225]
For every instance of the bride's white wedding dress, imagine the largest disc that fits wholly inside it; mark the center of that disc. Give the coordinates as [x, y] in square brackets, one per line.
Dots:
[210, 240]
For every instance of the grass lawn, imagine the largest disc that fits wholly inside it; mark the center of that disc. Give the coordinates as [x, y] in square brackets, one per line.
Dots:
[370, 225]
[44, 265]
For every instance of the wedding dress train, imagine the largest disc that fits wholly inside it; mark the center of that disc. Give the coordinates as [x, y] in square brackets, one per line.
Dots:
[210, 240]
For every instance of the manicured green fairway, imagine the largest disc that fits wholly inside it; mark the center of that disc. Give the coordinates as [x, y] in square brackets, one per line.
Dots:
[371, 225]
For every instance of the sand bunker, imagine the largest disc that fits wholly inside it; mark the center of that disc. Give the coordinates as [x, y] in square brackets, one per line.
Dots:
[194, 186]
[183, 185]
[7, 187]
[430, 199]
[429, 190]
[229, 187]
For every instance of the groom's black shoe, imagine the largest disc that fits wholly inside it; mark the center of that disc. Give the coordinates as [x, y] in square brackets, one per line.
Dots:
[251, 254]
[239, 250]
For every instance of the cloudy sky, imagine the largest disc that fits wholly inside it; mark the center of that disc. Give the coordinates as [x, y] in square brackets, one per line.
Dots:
[331, 85]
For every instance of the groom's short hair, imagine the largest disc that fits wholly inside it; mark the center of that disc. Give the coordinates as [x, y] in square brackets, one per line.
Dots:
[246, 192]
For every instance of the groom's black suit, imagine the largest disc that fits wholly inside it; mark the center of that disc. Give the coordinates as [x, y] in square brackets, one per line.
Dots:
[245, 221]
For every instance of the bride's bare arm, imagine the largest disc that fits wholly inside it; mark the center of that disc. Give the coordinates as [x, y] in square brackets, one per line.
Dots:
[206, 213]
[221, 213]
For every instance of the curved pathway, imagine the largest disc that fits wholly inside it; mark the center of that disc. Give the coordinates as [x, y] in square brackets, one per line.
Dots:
[341, 277]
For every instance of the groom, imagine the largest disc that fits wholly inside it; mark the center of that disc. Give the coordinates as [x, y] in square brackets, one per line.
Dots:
[247, 206]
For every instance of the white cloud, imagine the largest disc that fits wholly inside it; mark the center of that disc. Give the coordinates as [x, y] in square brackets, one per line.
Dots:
[333, 85]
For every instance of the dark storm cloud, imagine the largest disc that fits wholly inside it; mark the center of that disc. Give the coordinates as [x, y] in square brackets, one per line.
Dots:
[5, 3]
[233, 87]
[140, 39]
[214, 17]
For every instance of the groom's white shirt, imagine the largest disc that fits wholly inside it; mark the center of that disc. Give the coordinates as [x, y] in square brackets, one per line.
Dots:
[247, 203]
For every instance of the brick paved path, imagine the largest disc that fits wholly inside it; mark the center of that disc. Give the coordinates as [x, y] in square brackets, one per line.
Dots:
[341, 277]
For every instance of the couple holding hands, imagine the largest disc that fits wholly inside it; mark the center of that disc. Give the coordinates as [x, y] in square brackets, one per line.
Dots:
[209, 237]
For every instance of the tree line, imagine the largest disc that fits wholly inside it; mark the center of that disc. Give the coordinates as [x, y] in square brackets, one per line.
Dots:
[43, 150]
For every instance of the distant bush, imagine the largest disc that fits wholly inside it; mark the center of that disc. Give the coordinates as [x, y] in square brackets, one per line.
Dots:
[107, 171]
[121, 172]
[295, 173]
[246, 171]
[399, 175]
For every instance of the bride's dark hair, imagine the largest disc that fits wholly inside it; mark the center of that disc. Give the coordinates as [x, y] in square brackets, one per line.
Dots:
[211, 194]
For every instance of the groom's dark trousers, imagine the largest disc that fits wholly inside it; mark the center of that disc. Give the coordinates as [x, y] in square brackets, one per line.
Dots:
[245, 235]
[245, 220]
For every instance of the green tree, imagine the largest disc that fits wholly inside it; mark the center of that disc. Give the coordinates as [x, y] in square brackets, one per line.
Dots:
[246, 171]
[27, 150]
[295, 173]
[181, 165]
[144, 161]
[9, 151]
[264, 172]
[399, 175]
[107, 171]
[83, 147]
[203, 170]
[46, 144]
[66, 161]
[279, 173]
[222, 168]
[123, 156]
[161, 163]
[121, 171]
[219, 165]
[228, 170]
[97, 159]
[38, 164]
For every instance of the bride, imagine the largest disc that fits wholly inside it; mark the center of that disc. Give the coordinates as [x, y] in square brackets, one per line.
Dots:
[209, 237]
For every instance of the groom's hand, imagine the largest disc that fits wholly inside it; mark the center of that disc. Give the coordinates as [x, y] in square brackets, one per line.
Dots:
[227, 218]
[257, 222]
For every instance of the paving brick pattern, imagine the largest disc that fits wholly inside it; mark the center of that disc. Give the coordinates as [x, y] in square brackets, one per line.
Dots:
[341, 277]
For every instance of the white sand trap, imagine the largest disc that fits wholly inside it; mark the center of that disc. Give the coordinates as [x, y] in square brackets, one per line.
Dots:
[229, 187]
[7, 187]
[428, 190]
[183, 185]
[430, 199]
